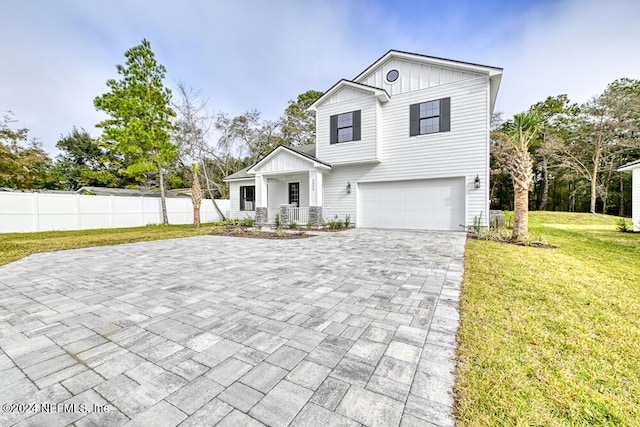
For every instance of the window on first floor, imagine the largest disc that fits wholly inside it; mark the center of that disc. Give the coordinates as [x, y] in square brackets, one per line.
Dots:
[345, 127]
[430, 117]
[247, 198]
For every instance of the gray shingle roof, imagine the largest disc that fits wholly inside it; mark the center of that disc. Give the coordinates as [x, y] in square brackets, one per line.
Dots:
[241, 174]
[107, 191]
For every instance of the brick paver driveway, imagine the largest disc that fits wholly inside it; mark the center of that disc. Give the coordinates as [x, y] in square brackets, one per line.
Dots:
[345, 328]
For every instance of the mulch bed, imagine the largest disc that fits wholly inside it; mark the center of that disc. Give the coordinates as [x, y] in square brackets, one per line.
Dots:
[256, 234]
[472, 235]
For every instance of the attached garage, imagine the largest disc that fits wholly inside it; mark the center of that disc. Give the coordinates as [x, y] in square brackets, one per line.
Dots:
[427, 204]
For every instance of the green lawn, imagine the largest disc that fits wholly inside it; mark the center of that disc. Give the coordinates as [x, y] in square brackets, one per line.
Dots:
[14, 246]
[552, 336]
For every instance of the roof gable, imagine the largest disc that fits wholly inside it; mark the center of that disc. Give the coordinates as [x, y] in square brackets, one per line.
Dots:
[428, 60]
[381, 94]
[282, 159]
[451, 66]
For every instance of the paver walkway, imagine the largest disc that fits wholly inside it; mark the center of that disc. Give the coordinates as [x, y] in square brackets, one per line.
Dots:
[351, 328]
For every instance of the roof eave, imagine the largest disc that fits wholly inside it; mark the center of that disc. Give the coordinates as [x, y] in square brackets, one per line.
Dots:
[629, 168]
[237, 179]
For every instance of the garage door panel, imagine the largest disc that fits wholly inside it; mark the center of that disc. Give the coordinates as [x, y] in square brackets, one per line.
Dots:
[433, 204]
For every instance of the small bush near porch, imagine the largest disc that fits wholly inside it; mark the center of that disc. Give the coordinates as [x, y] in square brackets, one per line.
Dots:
[551, 336]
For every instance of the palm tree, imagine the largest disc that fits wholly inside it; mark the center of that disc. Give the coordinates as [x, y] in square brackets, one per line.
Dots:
[196, 196]
[520, 133]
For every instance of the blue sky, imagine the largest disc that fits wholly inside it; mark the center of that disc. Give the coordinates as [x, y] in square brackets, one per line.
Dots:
[257, 54]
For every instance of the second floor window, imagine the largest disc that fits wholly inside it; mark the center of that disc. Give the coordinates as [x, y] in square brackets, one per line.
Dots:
[345, 127]
[430, 117]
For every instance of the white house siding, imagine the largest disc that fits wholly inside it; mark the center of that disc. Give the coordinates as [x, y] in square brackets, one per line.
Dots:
[462, 152]
[278, 191]
[234, 197]
[276, 195]
[413, 76]
[635, 199]
[352, 151]
[347, 94]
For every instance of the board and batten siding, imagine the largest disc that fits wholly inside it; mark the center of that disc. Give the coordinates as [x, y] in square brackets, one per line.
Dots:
[461, 152]
[284, 161]
[353, 151]
[413, 76]
[234, 197]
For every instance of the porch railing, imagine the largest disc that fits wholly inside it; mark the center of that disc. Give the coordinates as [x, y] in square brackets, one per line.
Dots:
[298, 215]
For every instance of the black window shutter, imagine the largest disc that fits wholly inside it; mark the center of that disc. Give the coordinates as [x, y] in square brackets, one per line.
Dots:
[242, 198]
[333, 131]
[356, 125]
[414, 123]
[445, 114]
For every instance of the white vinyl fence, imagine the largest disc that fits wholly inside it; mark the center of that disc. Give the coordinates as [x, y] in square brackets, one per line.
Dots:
[20, 212]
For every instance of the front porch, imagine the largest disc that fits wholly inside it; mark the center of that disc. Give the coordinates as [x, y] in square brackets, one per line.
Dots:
[290, 198]
[289, 186]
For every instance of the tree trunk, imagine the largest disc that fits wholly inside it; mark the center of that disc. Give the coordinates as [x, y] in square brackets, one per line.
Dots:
[163, 200]
[522, 174]
[621, 207]
[521, 219]
[594, 181]
[545, 188]
[196, 197]
[210, 191]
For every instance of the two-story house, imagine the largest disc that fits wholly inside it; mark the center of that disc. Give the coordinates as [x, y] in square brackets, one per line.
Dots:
[405, 144]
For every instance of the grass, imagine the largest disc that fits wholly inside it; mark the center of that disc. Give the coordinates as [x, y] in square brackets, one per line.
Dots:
[551, 337]
[14, 246]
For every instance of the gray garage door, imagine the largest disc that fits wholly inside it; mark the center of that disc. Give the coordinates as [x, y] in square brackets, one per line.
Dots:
[428, 204]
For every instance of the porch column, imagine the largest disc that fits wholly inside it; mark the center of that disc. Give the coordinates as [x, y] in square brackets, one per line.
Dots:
[261, 201]
[315, 197]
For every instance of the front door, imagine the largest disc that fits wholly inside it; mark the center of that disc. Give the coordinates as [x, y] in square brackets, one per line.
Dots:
[294, 194]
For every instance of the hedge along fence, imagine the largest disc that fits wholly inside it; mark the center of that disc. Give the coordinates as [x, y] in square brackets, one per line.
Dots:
[24, 212]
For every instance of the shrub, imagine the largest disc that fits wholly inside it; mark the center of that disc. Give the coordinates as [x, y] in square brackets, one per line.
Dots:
[280, 232]
[309, 225]
[335, 224]
[276, 221]
[477, 224]
[347, 221]
[293, 225]
[235, 222]
[624, 226]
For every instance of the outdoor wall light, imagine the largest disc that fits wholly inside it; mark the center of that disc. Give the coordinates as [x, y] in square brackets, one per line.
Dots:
[348, 188]
[476, 182]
